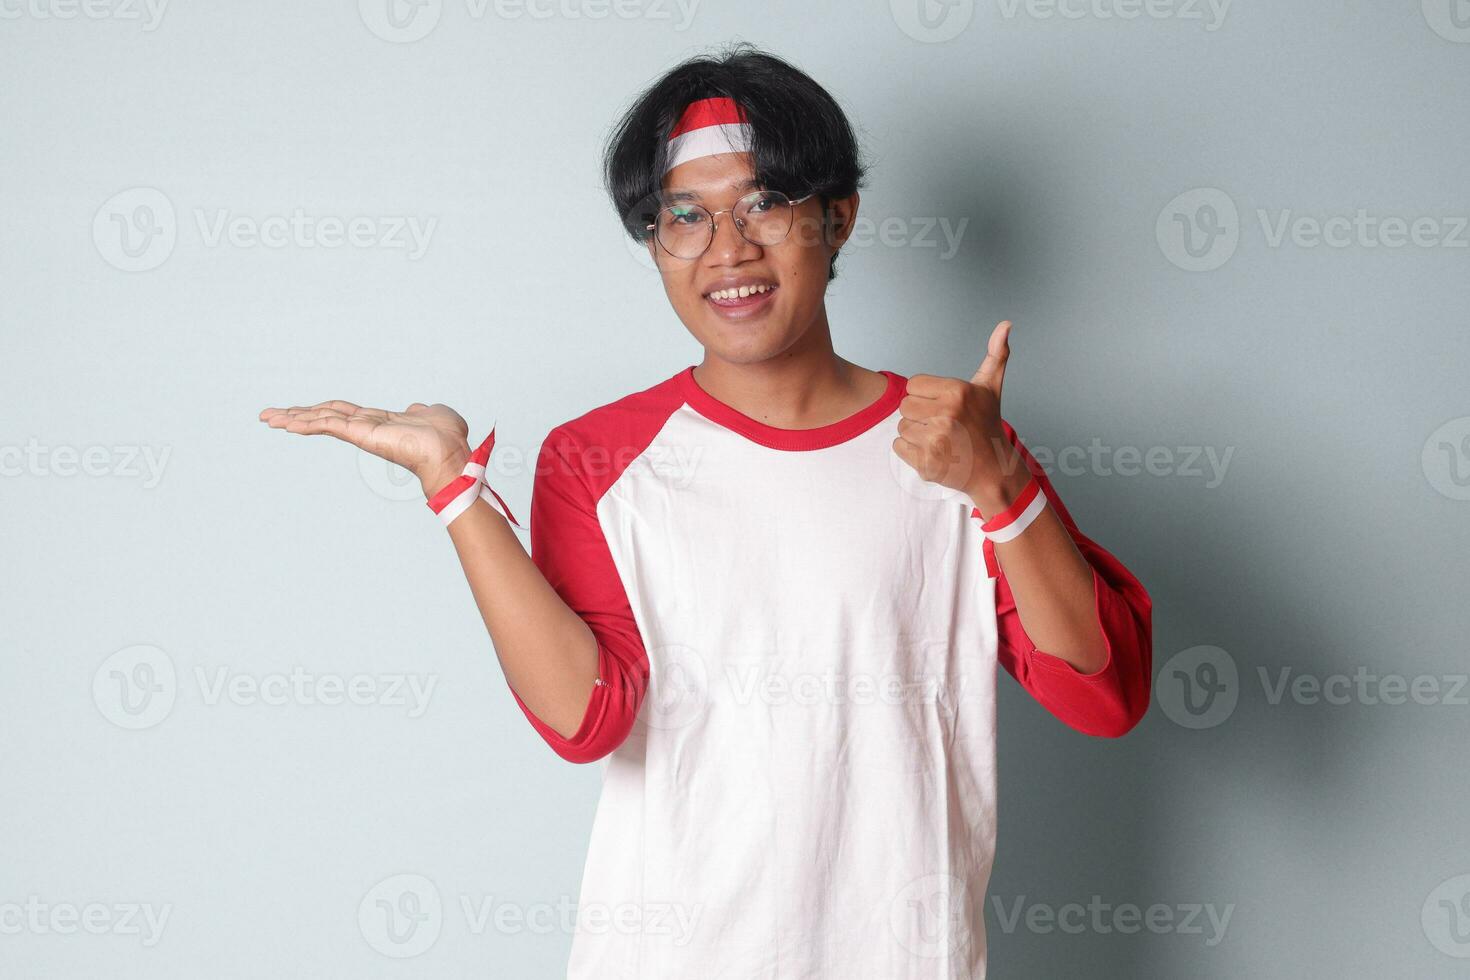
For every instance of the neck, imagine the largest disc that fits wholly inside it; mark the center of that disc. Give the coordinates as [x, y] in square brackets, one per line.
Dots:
[803, 387]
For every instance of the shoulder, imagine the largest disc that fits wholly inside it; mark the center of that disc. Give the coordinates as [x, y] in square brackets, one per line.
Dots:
[598, 445]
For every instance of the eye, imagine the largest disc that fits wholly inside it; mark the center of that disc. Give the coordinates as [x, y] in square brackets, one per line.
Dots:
[763, 202]
[685, 216]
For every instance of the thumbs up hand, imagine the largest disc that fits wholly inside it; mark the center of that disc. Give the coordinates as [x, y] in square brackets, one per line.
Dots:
[950, 431]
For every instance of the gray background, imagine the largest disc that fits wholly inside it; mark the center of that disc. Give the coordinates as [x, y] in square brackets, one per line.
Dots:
[1335, 542]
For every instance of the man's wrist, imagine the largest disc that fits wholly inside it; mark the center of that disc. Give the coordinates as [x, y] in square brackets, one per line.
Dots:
[445, 472]
[992, 493]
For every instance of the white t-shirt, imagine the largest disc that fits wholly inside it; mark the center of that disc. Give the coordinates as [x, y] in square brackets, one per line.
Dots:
[798, 643]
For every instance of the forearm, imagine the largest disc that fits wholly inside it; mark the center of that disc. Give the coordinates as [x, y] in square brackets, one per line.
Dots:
[1050, 580]
[548, 654]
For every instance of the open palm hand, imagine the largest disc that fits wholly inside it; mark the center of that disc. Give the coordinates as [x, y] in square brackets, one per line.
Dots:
[427, 440]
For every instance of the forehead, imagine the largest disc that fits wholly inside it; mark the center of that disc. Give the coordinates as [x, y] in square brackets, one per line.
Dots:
[711, 178]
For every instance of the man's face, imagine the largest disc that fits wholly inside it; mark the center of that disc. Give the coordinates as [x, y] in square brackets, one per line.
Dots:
[786, 282]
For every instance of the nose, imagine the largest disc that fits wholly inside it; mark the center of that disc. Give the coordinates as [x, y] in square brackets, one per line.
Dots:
[729, 247]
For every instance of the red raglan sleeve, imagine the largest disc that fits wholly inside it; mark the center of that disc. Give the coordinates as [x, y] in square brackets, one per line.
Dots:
[568, 546]
[1110, 702]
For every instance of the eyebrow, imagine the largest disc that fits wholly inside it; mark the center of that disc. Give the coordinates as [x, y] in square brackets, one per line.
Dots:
[669, 197]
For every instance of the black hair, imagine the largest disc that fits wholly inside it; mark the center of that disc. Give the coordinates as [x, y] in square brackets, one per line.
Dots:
[801, 141]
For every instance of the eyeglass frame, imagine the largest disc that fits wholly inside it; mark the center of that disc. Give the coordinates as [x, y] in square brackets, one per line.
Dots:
[714, 225]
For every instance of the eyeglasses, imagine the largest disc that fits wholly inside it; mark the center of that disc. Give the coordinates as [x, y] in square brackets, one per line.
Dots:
[763, 218]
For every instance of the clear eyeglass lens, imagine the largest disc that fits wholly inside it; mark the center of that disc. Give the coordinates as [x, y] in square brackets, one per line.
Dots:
[764, 217]
[686, 230]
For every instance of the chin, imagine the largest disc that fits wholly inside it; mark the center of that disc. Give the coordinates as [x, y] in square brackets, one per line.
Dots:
[745, 347]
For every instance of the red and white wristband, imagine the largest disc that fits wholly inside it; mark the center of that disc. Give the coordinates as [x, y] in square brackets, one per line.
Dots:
[457, 496]
[1009, 523]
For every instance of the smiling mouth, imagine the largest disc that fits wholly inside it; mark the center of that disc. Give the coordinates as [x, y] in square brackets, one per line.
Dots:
[740, 298]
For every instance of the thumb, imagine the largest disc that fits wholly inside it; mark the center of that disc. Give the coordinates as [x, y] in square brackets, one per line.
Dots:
[992, 371]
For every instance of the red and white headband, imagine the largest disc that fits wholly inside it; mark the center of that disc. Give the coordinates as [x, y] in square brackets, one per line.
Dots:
[708, 126]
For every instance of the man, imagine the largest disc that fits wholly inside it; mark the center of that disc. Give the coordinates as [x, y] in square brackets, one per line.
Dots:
[771, 590]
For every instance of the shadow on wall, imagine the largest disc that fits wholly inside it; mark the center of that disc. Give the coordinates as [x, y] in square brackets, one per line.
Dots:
[1091, 829]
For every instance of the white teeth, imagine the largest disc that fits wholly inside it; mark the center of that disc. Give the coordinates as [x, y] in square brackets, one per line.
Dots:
[739, 293]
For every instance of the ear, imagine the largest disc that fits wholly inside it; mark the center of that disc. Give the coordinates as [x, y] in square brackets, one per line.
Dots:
[842, 216]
